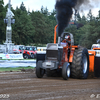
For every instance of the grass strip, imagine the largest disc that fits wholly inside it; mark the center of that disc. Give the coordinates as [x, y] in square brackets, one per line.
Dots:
[2, 69]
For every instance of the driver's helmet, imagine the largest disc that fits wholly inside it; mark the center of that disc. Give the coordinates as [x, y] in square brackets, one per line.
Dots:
[67, 37]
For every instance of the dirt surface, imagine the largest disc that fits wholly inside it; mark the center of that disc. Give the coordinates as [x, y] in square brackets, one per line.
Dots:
[26, 86]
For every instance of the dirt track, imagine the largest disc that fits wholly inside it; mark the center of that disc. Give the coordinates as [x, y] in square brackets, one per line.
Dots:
[26, 86]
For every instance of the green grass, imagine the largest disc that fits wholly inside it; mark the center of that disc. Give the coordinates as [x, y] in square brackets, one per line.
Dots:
[14, 69]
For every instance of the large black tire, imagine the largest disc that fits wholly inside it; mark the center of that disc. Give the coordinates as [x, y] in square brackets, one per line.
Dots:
[80, 64]
[66, 71]
[39, 71]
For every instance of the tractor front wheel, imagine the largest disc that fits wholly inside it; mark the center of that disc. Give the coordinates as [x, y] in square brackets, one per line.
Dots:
[66, 71]
[39, 71]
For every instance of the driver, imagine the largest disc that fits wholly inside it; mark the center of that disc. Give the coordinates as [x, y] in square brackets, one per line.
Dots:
[67, 39]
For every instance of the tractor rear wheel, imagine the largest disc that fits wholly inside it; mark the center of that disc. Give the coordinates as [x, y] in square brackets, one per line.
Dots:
[66, 71]
[80, 64]
[39, 71]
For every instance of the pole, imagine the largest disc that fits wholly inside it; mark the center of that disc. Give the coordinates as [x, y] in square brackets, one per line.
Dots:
[9, 28]
[9, 4]
[8, 42]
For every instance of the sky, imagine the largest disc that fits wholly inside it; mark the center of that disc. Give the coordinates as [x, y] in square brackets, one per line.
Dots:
[50, 4]
[33, 4]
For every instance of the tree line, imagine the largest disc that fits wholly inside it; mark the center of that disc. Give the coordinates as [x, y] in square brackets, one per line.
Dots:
[37, 27]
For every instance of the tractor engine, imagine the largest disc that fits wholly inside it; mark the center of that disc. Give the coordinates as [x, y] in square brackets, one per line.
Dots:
[53, 56]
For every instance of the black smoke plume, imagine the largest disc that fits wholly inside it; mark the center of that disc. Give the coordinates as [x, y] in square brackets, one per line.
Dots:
[64, 11]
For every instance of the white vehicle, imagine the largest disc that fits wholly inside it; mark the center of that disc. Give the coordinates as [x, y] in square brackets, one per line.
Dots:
[95, 46]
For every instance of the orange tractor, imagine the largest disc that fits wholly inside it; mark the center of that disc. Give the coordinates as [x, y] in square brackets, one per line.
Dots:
[94, 58]
[63, 58]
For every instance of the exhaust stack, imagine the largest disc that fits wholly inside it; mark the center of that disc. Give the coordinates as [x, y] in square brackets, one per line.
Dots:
[59, 41]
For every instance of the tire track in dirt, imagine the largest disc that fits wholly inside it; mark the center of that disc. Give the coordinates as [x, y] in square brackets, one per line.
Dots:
[26, 86]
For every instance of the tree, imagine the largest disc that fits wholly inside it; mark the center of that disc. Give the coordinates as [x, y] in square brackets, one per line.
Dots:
[44, 27]
[2, 25]
[98, 18]
[83, 20]
[22, 7]
[23, 30]
[90, 16]
[78, 17]
[38, 21]
[99, 13]
[44, 11]
[53, 13]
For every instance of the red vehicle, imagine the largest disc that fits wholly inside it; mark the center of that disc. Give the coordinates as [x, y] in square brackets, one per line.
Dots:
[29, 52]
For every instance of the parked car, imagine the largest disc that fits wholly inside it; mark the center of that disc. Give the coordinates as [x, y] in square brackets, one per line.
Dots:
[18, 49]
[29, 52]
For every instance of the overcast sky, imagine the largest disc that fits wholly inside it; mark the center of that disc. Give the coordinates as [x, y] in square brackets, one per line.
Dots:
[37, 4]
[33, 4]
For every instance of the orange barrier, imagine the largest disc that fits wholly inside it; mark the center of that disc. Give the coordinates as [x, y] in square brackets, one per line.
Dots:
[91, 60]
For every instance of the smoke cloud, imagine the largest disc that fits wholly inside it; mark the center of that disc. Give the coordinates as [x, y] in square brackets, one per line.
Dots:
[86, 4]
[64, 13]
[64, 10]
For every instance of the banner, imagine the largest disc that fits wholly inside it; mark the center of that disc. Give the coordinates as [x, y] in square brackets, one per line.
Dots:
[11, 56]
